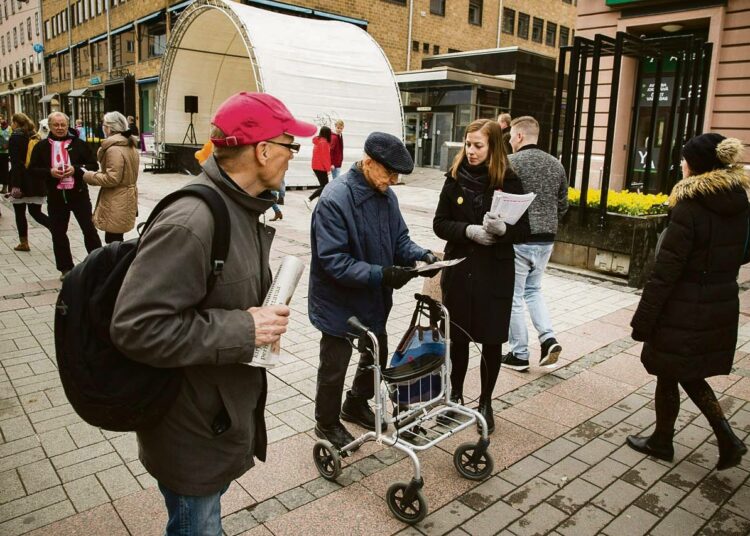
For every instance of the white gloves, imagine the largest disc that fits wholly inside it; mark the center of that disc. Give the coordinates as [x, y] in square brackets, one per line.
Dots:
[476, 234]
[494, 224]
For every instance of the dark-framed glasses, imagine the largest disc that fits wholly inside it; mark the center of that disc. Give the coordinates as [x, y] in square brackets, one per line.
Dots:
[294, 147]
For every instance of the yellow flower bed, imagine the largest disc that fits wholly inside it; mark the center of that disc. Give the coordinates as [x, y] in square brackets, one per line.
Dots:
[631, 203]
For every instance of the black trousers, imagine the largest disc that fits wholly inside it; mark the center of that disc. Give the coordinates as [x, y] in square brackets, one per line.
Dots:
[4, 169]
[489, 367]
[35, 211]
[335, 353]
[113, 237]
[59, 216]
[323, 180]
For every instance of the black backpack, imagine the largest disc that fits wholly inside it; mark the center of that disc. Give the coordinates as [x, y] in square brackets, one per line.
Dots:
[105, 387]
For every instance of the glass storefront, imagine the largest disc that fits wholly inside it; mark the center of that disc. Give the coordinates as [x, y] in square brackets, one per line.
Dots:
[148, 107]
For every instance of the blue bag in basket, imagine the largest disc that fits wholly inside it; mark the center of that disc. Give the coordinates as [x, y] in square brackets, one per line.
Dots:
[422, 348]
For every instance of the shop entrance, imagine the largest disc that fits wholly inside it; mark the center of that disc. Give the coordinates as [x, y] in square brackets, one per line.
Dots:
[425, 134]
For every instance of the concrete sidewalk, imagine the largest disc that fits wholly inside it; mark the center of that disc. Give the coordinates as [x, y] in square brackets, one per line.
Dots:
[560, 463]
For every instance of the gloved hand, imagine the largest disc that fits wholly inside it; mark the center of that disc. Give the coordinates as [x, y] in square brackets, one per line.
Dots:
[429, 258]
[397, 276]
[475, 233]
[494, 224]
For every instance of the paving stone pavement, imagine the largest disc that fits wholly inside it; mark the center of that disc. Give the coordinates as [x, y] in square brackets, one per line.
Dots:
[560, 464]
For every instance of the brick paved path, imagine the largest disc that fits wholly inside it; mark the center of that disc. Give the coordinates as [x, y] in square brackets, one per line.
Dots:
[560, 463]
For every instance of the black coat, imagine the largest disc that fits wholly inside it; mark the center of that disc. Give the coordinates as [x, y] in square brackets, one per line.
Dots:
[689, 310]
[479, 291]
[19, 175]
[40, 166]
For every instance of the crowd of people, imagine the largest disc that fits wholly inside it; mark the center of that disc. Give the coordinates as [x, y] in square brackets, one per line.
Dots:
[361, 252]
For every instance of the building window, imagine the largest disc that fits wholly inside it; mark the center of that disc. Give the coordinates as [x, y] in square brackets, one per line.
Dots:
[523, 25]
[437, 7]
[568, 2]
[415, 46]
[81, 61]
[537, 29]
[99, 55]
[400, 2]
[564, 36]
[123, 49]
[509, 20]
[15, 37]
[550, 38]
[3, 45]
[475, 12]
[31, 64]
[36, 22]
[436, 49]
[28, 29]
[64, 66]
[425, 48]
[23, 67]
[99, 7]
[47, 30]
[153, 39]
[21, 33]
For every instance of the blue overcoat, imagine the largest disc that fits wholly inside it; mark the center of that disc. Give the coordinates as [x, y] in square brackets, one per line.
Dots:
[355, 232]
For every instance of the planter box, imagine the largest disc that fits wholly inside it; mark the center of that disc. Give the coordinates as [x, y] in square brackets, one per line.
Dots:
[625, 247]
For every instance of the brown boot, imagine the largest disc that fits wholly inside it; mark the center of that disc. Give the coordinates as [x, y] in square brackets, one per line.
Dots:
[23, 245]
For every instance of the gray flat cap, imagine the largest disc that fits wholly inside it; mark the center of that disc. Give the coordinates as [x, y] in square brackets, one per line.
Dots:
[390, 151]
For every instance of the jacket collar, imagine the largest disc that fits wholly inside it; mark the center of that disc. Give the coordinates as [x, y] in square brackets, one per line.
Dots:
[529, 146]
[360, 188]
[712, 182]
[257, 205]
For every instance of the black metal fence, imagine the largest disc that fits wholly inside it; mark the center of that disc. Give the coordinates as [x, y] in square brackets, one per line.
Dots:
[691, 58]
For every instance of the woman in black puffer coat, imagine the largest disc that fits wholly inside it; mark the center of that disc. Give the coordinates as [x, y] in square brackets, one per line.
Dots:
[689, 311]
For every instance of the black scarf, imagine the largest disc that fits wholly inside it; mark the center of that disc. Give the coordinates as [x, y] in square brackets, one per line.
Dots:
[474, 180]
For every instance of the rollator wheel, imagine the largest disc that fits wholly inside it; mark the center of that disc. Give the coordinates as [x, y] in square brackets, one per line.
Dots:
[327, 460]
[468, 468]
[410, 512]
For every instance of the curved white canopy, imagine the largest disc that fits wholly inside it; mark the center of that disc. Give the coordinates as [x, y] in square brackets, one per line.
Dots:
[322, 71]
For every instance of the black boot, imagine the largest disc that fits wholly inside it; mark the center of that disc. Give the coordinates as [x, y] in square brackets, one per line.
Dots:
[731, 448]
[335, 433]
[656, 446]
[356, 409]
[485, 408]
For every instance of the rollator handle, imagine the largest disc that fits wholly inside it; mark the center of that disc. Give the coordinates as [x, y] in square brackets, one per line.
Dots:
[357, 327]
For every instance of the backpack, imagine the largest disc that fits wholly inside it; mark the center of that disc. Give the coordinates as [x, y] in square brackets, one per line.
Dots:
[32, 143]
[104, 386]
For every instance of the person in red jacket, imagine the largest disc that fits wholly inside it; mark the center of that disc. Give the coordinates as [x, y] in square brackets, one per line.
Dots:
[321, 161]
[337, 149]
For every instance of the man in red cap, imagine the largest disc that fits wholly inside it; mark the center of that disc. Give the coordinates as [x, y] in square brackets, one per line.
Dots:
[165, 315]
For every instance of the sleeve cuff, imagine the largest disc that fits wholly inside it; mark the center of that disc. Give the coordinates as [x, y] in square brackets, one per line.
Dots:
[376, 276]
[244, 347]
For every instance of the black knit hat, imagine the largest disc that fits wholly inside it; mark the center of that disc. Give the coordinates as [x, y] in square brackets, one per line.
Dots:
[700, 153]
[390, 151]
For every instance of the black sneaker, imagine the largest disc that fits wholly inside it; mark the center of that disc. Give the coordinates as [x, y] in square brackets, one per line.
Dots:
[357, 410]
[335, 433]
[512, 362]
[551, 350]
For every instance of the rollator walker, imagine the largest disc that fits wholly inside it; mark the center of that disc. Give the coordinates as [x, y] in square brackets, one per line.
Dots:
[417, 383]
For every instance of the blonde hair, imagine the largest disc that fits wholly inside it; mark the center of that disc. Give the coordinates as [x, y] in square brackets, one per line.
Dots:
[504, 118]
[339, 123]
[497, 159]
[528, 125]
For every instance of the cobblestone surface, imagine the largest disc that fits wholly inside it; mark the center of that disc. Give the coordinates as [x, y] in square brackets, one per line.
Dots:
[560, 463]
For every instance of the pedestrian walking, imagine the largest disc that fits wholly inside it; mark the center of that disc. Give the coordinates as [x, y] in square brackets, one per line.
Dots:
[543, 175]
[505, 120]
[360, 252]
[26, 193]
[337, 149]
[478, 292]
[215, 428]
[279, 195]
[5, 132]
[689, 311]
[321, 162]
[59, 162]
[117, 205]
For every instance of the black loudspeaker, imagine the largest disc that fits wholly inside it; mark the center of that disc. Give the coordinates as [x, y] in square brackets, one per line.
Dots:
[191, 104]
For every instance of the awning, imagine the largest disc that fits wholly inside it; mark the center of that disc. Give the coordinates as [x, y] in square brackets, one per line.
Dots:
[122, 29]
[48, 98]
[147, 80]
[149, 17]
[78, 92]
[438, 76]
[333, 16]
[61, 51]
[180, 6]
[281, 5]
[97, 38]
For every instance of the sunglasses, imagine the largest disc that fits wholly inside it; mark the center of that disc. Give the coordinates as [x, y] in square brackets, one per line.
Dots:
[294, 147]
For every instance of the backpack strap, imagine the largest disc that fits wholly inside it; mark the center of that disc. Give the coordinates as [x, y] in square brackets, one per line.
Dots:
[220, 214]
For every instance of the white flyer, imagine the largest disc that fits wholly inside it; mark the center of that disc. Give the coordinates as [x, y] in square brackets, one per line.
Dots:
[511, 206]
[281, 291]
[437, 265]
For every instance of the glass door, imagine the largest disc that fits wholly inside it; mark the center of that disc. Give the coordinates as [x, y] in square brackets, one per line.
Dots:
[411, 121]
[442, 131]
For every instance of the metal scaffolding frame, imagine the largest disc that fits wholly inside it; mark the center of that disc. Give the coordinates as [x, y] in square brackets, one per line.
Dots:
[686, 109]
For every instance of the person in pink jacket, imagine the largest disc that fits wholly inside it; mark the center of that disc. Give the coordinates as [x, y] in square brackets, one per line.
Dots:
[321, 161]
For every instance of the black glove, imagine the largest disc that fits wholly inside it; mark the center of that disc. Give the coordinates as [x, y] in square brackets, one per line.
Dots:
[429, 258]
[397, 276]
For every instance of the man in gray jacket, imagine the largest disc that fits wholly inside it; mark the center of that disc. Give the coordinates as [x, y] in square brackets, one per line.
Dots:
[542, 174]
[166, 317]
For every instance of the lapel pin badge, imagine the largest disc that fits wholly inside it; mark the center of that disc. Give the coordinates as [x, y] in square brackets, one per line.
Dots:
[460, 200]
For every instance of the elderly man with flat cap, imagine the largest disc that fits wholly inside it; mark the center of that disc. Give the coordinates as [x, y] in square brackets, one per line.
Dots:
[361, 251]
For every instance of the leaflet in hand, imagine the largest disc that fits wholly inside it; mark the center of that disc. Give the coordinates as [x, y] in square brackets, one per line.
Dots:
[281, 291]
[437, 265]
[511, 206]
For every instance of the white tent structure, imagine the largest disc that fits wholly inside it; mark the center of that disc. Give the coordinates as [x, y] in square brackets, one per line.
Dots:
[321, 70]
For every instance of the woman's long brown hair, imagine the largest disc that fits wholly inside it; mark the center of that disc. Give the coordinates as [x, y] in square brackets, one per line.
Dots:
[497, 160]
[25, 122]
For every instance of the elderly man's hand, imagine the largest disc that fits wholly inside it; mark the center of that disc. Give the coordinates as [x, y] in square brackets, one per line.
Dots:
[397, 276]
[270, 323]
[57, 173]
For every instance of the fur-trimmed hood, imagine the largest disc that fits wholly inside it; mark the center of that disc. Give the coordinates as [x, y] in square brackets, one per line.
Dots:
[721, 190]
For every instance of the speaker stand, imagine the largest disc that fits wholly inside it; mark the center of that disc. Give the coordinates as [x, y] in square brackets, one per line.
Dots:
[190, 133]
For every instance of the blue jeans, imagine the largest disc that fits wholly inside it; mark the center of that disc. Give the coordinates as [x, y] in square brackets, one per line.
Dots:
[531, 260]
[279, 194]
[335, 172]
[193, 515]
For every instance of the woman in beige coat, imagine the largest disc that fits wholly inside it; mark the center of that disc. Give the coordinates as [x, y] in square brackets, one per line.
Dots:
[117, 205]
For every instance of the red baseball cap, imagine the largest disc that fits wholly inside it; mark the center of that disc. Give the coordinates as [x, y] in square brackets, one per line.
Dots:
[247, 118]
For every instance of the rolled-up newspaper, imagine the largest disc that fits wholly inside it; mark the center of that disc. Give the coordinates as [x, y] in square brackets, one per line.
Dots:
[281, 291]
